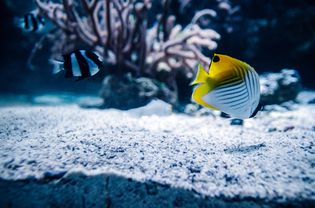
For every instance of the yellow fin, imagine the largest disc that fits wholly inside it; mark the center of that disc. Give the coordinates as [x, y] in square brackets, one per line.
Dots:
[201, 76]
[199, 92]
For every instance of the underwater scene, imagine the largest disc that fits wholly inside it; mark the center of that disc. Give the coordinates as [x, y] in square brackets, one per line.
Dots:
[157, 103]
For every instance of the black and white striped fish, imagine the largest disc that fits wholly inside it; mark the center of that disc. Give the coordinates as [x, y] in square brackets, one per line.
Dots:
[231, 86]
[31, 22]
[80, 64]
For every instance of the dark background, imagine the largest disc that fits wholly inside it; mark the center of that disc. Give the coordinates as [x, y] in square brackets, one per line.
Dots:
[268, 34]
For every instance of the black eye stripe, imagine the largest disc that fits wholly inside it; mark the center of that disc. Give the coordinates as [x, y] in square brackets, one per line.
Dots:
[216, 59]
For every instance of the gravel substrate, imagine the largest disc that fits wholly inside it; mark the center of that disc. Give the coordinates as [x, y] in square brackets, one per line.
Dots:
[66, 156]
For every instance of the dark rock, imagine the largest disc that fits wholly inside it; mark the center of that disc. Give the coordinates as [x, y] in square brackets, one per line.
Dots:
[288, 128]
[194, 169]
[237, 121]
[272, 129]
[126, 92]
[279, 87]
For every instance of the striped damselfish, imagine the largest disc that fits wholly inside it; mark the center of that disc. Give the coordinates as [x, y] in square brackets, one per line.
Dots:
[231, 86]
[31, 22]
[79, 63]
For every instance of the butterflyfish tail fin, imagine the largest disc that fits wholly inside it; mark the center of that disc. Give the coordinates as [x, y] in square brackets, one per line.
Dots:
[201, 76]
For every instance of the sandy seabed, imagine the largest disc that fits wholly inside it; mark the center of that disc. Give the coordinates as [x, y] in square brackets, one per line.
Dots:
[68, 156]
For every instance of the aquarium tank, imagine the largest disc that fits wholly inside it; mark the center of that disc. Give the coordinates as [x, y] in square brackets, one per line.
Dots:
[157, 103]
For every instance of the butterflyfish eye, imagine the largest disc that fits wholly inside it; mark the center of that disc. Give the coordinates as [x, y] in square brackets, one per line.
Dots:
[216, 59]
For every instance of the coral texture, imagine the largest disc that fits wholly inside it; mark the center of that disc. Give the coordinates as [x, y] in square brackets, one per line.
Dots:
[119, 30]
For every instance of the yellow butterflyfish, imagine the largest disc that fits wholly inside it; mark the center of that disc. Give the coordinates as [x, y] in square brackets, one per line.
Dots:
[231, 86]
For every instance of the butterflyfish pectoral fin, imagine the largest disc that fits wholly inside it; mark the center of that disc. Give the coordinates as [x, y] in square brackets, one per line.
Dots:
[201, 76]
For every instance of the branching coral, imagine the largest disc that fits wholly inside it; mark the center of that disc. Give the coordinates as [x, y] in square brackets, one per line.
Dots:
[119, 30]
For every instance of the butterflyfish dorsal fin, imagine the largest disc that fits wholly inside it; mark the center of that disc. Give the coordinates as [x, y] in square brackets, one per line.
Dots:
[201, 76]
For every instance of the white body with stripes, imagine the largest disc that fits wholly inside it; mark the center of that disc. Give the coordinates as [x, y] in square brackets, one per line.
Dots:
[77, 70]
[238, 98]
[80, 64]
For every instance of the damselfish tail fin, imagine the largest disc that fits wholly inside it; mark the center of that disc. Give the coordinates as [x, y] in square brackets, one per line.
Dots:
[201, 76]
[19, 22]
[58, 66]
